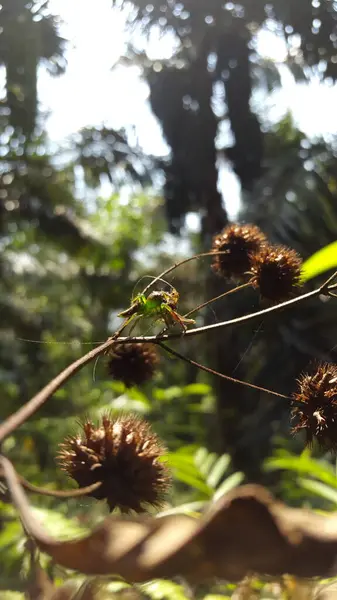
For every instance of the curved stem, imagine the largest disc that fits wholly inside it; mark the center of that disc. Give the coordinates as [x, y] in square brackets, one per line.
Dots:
[212, 372]
[232, 291]
[326, 284]
[27, 410]
[179, 264]
[56, 493]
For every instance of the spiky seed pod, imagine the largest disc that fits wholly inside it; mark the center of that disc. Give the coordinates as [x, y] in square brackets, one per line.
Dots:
[132, 363]
[123, 454]
[239, 242]
[276, 272]
[315, 406]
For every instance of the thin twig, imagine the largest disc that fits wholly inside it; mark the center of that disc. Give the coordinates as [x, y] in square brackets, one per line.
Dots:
[231, 291]
[180, 263]
[326, 284]
[222, 324]
[212, 372]
[56, 493]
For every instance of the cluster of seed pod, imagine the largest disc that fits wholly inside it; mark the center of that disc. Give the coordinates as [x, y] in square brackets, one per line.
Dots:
[246, 253]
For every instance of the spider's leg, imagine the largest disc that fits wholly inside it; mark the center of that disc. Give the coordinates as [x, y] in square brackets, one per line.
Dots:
[129, 312]
[163, 331]
[135, 321]
[123, 326]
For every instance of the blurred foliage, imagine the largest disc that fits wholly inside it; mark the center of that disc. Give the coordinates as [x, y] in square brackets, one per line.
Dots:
[315, 481]
[68, 266]
[202, 471]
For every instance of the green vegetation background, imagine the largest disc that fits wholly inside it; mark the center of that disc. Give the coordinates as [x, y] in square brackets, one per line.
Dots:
[68, 266]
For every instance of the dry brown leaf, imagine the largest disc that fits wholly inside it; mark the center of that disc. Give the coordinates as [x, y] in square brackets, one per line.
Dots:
[245, 531]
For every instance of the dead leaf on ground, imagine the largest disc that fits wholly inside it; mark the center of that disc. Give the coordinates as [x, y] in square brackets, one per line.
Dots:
[245, 531]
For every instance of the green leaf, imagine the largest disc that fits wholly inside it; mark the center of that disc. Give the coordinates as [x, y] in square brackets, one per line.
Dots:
[323, 260]
[137, 395]
[116, 386]
[11, 533]
[185, 470]
[198, 389]
[231, 482]
[160, 589]
[193, 481]
[218, 471]
[7, 509]
[60, 394]
[200, 456]
[320, 489]
[305, 465]
[186, 463]
[168, 394]
[189, 450]
[57, 524]
[216, 597]
[191, 508]
[206, 467]
[117, 586]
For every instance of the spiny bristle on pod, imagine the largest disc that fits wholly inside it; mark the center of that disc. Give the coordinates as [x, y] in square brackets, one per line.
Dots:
[132, 363]
[315, 406]
[239, 243]
[276, 273]
[124, 455]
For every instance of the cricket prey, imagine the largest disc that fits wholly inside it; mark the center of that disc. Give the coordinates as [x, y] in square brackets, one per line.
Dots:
[159, 305]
